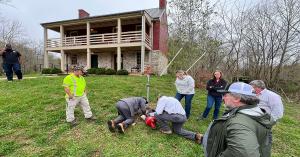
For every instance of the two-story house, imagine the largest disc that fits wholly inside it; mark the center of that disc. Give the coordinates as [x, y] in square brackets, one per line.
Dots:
[129, 40]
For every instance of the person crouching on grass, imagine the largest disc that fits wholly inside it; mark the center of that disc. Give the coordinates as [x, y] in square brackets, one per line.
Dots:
[75, 89]
[127, 109]
[169, 109]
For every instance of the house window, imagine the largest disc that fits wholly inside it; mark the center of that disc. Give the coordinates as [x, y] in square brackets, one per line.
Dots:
[138, 27]
[74, 59]
[138, 58]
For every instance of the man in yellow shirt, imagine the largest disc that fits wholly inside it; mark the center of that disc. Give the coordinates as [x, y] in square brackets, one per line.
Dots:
[75, 88]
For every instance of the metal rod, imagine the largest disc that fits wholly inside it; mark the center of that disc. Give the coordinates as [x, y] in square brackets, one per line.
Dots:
[196, 61]
[148, 86]
[170, 62]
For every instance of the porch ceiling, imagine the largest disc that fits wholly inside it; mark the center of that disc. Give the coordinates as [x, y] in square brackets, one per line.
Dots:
[97, 24]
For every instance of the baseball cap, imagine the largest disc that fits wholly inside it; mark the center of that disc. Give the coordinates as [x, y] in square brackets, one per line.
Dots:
[77, 67]
[239, 88]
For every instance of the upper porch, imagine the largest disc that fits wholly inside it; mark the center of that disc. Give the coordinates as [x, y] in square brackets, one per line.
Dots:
[104, 32]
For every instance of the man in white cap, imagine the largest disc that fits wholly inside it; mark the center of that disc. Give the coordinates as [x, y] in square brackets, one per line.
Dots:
[75, 89]
[269, 101]
[243, 130]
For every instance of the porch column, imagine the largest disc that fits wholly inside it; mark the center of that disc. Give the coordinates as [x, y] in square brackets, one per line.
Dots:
[119, 58]
[119, 31]
[143, 45]
[46, 64]
[88, 33]
[151, 42]
[88, 59]
[62, 61]
[62, 35]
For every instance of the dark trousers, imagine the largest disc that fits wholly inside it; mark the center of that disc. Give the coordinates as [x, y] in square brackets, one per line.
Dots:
[10, 68]
[177, 121]
[213, 100]
[124, 114]
[188, 102]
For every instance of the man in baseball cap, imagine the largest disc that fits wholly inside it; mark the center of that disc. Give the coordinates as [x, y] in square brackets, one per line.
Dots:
[243, 130]
[75, 89]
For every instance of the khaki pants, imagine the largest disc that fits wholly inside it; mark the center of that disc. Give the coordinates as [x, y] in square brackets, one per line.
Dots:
[72, 103]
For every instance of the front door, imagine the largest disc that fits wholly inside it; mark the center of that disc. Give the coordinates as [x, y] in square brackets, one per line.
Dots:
[115, 61]
[94, 61]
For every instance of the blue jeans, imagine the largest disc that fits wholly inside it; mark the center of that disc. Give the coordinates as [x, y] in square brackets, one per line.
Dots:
[10, 68]
[188, 102]
[211, 100]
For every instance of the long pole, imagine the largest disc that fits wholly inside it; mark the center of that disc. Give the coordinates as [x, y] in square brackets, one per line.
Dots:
[170, 62]
[196, 61]
[148, 86]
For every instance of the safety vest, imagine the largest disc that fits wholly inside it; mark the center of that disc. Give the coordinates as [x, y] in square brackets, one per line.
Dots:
[76, 84]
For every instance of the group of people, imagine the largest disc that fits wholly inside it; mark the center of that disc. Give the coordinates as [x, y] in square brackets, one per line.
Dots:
[244, 129]
[11, 62]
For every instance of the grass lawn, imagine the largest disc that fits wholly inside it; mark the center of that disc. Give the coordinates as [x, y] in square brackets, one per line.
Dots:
[32, 121]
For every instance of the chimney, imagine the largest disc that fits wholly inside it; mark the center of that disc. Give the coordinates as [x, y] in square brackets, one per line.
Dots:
[82, 13]
[162, 4]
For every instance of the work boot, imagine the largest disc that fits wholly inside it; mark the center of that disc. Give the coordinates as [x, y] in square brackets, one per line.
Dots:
[73, 123]
[198, 138]
[111, 125]
[166, 131]
[91, 119]
[121, 128]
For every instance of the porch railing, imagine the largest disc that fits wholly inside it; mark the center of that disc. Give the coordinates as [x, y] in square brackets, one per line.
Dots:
[96, 39]
[54, 42]
[74, 41]
[147, 40]
[107, 38]
[129, 37]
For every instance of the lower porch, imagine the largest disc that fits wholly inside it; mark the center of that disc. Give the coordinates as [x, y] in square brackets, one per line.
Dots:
[130, 58]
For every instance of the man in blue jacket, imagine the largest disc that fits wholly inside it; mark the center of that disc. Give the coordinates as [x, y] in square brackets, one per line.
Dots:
[11, 62]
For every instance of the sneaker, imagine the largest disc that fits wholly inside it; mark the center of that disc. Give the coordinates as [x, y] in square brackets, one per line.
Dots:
[200, 118]
[111, 125]
[198, 138]
[166, 131]
[120, 128]
[91, 119]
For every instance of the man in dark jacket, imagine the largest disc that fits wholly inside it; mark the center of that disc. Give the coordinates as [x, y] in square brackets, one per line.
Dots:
[244, 128]
[127, 109]
[11, 62]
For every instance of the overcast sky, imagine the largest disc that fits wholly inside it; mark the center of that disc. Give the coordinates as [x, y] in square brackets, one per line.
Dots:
[33, 12]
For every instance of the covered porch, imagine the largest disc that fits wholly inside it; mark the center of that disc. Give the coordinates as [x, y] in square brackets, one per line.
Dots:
[132, 59]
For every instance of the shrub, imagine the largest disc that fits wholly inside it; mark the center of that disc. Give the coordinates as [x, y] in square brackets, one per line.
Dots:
[92, 71]
[55, 71]
[110, 71]
[100, 71]
[46, 71]
[51, 71]
[122, 72]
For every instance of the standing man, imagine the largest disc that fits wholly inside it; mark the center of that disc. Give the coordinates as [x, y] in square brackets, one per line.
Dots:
[11, 62]
[127, 109]
[269, 101]
[169, 109]
[243, 130]
[75, 88]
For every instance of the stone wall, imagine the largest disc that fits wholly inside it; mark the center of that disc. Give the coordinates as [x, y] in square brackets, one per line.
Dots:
[158, 62]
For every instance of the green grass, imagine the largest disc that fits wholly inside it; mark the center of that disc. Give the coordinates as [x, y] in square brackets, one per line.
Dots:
[32, 121]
